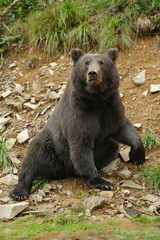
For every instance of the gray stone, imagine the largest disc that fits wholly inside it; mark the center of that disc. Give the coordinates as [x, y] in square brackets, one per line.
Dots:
[145, 93]
[12, 65]
[124, 174]
[108, 195]
[11, 210]
[23, 136]
[137, 125]
[6, 94]
[140, 78]
[125, 154]
[154, 206]
[18, 106]
[53, 65]
[154, 88]
[112, 166]
[18, 117]
[10, 142]
[19, 88]
[131, 184]
[53, 95]
[4, 121]
[9, 179]
[150, 198]
[30, 106]
[51, 72]
[94, 202]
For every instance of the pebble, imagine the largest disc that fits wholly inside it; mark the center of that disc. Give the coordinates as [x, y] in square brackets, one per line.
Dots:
[140, 78]
[23, 136]
[94, 202]
[125, 154]
[150, 198]
[131, 184]
[154, 88]
[6, 94]
[9, 179]
[30, 106]
[125, 174]
[12, 65]
[19, 88]
[137, 125]
[108, 195]
[113, 166]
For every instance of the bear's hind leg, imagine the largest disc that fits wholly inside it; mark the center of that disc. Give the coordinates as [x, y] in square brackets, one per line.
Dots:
[39, 161]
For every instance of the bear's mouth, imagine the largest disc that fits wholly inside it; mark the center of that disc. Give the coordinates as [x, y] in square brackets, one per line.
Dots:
[93, 81]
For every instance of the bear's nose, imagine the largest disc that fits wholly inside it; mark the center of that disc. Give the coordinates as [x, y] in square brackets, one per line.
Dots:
[92, 74]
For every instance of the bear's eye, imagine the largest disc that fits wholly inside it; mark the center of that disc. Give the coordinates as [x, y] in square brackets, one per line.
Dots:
[101, 62]
[87, 63]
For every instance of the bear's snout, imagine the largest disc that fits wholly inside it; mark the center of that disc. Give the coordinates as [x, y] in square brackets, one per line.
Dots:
[94, 75]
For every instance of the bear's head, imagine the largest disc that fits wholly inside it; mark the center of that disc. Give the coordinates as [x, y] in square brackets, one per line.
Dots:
[95, 73]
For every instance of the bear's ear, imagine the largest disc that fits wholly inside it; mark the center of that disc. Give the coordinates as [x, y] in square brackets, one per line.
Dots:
[76, 53]
[112, 53]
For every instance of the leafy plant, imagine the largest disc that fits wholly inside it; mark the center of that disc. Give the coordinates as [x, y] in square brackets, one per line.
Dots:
[4, 157]
[38, 184]
[150, 139]
[151, 177]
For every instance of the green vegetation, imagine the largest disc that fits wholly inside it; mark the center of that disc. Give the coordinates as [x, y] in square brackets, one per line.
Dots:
[5, 161]
[60, 25]
[150, 139]
[30, 227]
[147, 219]
[151, 177]
[39, 183]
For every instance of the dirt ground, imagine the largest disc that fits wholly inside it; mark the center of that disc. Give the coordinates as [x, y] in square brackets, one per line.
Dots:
[145, 55]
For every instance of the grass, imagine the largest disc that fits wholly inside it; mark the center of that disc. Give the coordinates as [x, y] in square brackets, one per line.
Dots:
[61, 25]
[39, 183]
[150, 139]
[5, 161]
[151, 177]
[30, 227]
[147, 219]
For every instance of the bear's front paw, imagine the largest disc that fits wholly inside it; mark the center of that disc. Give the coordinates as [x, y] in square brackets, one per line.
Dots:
[19, 193]
[99, 183]
[137, 157]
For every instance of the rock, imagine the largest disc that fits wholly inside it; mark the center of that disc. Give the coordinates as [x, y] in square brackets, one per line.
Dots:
[145, 93]
[41, 193]
[23, 136]
[108, 195]
[150, 198]
[131, 184]
[10, 142]
[154, 206]
[11, 210]
[53, 65]
[125, 154]
[69, 193]
[6, 94]
[51, 72]
[5, 199]
[112, 166]
[154, 88]
[18, 117]
[53, 95]
[9, 179]
[125, 174]
[129, 205]
[18, 106]
[21, 74]
[30, 106]
[140, 78]
[94, 202]
[12, 65]
[137, 125]
[19, 88]
[37, 198]
[33, 100]
[4, 121]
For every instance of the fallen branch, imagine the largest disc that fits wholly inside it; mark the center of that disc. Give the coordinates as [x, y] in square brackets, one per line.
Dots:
[10, 7]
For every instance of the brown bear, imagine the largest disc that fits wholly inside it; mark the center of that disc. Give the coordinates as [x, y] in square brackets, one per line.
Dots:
[82, 134]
